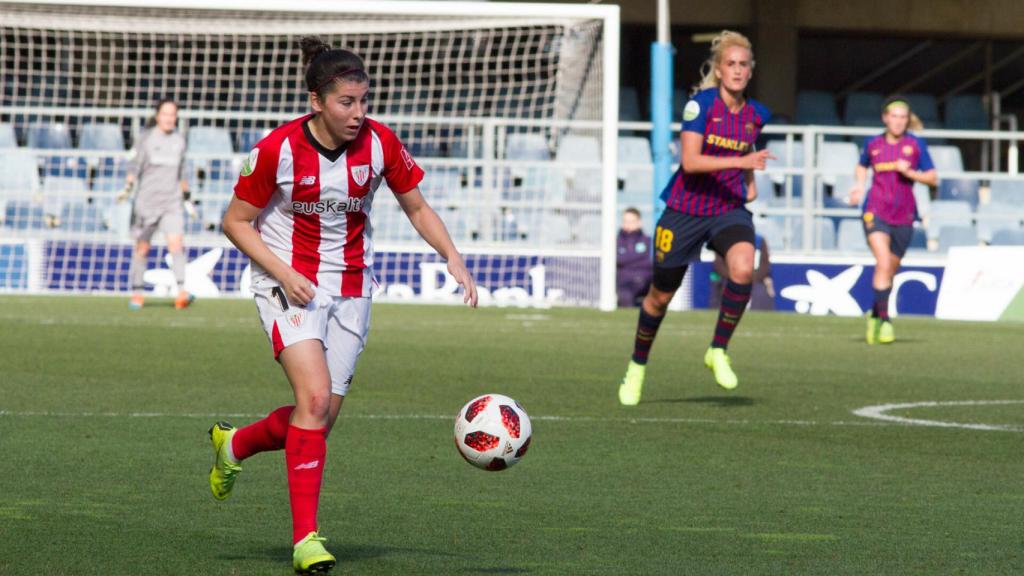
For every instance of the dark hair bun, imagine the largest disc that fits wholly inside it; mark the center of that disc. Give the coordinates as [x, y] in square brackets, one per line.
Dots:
[312, 46]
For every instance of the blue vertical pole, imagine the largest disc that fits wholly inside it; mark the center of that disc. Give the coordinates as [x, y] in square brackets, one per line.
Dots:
[662, 55]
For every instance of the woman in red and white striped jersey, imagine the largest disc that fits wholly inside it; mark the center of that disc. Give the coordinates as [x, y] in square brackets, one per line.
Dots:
[301, 213]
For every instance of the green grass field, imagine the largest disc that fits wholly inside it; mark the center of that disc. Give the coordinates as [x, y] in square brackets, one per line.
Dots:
[104, 454]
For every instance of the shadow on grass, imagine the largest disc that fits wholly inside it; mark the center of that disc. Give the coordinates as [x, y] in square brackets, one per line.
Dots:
[500, 571]
[722, 401]
[353, 553]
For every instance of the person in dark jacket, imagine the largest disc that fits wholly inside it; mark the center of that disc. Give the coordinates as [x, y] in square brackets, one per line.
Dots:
[633, 262]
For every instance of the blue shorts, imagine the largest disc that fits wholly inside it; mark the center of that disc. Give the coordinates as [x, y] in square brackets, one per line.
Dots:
[680, 237]
[899, 236]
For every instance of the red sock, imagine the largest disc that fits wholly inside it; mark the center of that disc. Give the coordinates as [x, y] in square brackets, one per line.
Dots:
[262, 436]
[304, 453]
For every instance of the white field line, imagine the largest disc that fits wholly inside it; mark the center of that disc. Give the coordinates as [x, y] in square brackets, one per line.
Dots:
[884, 421]
[879, 413]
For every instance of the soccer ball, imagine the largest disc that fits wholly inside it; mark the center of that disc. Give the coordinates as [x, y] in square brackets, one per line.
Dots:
[492, 432]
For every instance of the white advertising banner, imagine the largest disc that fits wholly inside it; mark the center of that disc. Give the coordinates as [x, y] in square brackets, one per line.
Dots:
[980, 282]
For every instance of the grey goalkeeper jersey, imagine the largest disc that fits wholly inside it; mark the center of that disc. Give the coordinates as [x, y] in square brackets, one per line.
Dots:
[158, 162]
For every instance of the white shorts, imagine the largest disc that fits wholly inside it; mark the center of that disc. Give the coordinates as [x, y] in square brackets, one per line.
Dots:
[340, 324]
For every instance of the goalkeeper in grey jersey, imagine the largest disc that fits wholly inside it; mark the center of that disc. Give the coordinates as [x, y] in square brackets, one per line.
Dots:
[157, 165]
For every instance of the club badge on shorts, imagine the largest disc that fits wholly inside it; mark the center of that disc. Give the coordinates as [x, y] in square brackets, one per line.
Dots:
[297, 318]
[869, 220]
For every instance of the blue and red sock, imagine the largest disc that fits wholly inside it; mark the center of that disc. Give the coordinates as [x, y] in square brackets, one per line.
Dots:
[880, 309]
[734, 302]
[646, 330]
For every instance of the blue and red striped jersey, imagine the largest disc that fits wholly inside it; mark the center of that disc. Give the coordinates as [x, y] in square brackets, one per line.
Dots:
[891, 196]
[725, 134]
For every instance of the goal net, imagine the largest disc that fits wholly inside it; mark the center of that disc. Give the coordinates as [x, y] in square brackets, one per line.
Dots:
[509, 108]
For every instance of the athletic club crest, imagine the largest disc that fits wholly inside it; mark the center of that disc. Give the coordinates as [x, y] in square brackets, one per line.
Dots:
[360, 174]
[908, 150]
[296, 319]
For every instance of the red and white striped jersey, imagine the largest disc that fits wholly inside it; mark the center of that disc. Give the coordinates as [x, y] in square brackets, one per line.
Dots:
[316, 211]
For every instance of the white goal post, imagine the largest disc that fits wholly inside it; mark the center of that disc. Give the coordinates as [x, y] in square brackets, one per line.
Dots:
[511, 108]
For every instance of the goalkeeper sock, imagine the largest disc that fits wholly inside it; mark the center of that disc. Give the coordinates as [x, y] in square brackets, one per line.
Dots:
[138, 269]
[178, 264]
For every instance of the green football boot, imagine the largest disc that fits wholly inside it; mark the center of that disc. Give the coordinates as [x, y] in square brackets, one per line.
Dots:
[886, 334]
[718, 362]
[632, 384]
[874, 325]
[224, 471]
[310, 556]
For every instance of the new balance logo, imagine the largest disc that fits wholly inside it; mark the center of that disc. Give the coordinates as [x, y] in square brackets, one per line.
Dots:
[307, 465]
[307, 181]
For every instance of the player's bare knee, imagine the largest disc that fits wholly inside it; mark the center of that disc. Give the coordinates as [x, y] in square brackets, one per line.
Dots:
[315, 405]
[741, 274]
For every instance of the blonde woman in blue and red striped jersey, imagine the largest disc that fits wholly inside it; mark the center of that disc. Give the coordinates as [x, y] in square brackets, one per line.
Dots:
[705, 204]
[899, 160]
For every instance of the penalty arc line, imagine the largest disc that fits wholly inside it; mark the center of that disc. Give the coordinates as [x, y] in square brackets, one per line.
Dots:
[880, 413]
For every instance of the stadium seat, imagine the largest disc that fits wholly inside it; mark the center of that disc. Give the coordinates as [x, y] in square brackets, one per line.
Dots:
[966, 112]
[837, 158]
[772, 233]
[25, 215]
[80, 216]
[101, 137]
[18, 174]
[110, 175]
[1008, 238]
[863, 106]
[1007, 192]
[527, 147]
[951, 236]
[850, 237]
[864, 122]
[7, 136]
[442, 185]
[588, 230]
[778, 148]
[926, 107]
[629, 105]
[209, 140]
[947, 213]
[212, 211]
[994, 217]
[946, 158]
[962, 189]
[813, 107]
[64, 187]
[923, 199]
[49, 136]
[248, 138]
[554, 229]
[919, 239]
[636, 170]
[462, 224]
[584, 184]
[765, 188]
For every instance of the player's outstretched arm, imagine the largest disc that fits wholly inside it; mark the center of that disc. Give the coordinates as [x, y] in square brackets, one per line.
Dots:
[432, 229]
[238, 228]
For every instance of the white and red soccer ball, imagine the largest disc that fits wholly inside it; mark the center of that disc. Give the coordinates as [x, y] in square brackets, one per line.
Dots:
[492, 432]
